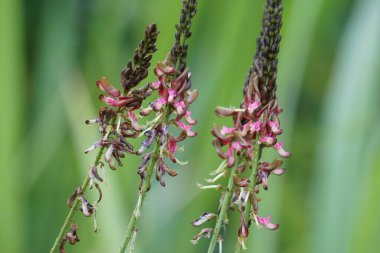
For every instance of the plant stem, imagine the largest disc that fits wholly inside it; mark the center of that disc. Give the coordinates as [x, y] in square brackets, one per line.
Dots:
[76, 202]
[141, 196]
[131, 229]
[252, 182]
[222, 212]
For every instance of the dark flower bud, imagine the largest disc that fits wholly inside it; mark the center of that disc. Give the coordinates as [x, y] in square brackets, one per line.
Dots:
[137, 71]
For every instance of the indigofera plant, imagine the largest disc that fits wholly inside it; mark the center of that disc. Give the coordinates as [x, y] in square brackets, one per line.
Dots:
[120, 121]
[116, 123]
[171, 110]
[256, 126]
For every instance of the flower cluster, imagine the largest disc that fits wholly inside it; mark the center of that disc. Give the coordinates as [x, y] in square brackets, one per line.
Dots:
[120, 121]
[117, 122]
[171, 113]
[256, 126]
[175, 97]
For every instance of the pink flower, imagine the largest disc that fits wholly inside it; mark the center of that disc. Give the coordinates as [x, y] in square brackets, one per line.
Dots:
[236, 145]
[108, 100]
[104, 85]
[255, 126]
[281, 151]
[189, 119]
[155, 85]
[278, 172]
[272, 168]
[163, 69]
[267, 140]
[266, 222]
[172, 147]
[180, 107]
[186, 128]
[172, 94]
[133, 119]
[227, 130]
[159, 103]
[275, 127]
[253, 106]
[230, 157]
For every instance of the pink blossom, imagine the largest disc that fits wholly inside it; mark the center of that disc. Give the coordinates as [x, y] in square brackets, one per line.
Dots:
[108, 100]
[281, 151]
[155, 85]
[253, 106]
[230, 157]
[172, 94]
[189, 119]
[266, 222]
[104, 85]
[275, 127]
[187, 128]
[159, 103]
[227, 130]
[267, 140]
[255, 126]
[180, 107]
[172, 146]
[163, 69]
[236, 145]
[278, 172]
[133, 119]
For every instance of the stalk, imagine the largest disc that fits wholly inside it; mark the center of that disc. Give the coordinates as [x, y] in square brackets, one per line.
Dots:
[131, 229]
[223, 211]
[252, 183]
[73, 209]
[142, 194]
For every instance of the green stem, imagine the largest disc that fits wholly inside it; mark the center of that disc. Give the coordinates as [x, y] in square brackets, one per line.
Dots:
[222, 212]
[141, 196]
[76, 202]
[131, 229]
[252, 183]
[74, 206]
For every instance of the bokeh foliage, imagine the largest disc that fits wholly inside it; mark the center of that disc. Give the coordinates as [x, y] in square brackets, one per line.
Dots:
[52, 52]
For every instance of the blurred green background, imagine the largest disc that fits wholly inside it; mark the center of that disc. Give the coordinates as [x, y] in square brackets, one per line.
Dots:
[52, 52]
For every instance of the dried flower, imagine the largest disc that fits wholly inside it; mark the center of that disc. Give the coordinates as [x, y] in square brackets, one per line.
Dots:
[86, 208]
[73, 197]
[71, 237]
[205, 232]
